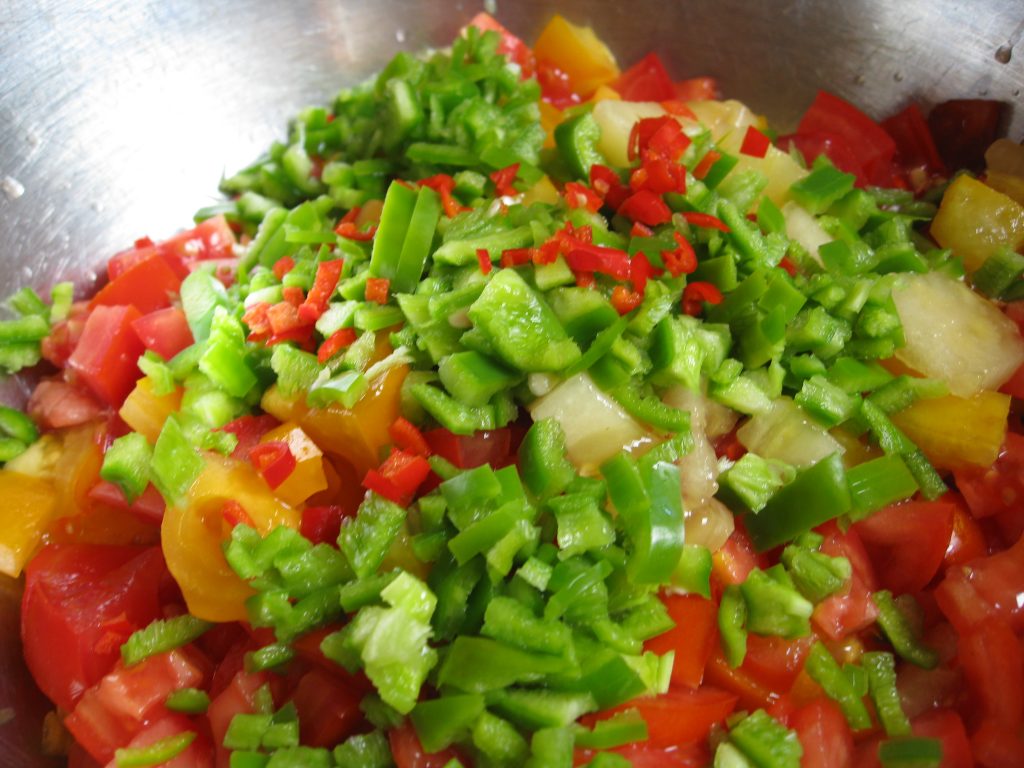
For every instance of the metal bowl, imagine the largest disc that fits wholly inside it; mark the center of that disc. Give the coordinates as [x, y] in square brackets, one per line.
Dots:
[118, 117]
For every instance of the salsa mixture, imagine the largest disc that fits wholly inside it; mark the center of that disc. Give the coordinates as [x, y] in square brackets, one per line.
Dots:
[519, 411]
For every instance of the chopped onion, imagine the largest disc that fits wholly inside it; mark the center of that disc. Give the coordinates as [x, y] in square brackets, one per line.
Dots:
[804, 229]
[616, 120]
[787, 433]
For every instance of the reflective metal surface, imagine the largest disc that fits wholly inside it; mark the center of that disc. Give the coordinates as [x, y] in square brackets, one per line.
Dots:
[117, 117]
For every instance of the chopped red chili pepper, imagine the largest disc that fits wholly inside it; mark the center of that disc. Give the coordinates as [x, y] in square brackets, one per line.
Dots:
[625, 300]
[581, 196]
[257, 319]
[755, 143]
[503, 179]
[678, 109]
[399, 477]
[274, 461]
[640, 271]
[376, 482]
[377, 289]
[284, 317]
[408, 437]
[585, 279]
[485, 260]
[337, 341]
[681, 261]
[646, 207]
[283, 266]
[695, 294]
[443, 184]
[640, 230]
[663, 134]
[293, 295]
[705, 164]
[607, 184]
[788, 265]
[326, 280]
[349, 231]
[234, 513]
[514, 257]
[705, 221]
[321, 525]
[586, 257]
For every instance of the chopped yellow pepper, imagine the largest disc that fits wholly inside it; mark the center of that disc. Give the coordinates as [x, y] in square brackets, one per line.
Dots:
[30, 504]
[308, 477]
[145, 411]
[577, 52]
[955, 431]
[974, 220]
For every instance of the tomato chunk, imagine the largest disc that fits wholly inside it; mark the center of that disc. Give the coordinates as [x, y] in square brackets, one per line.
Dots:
[106, 356]
[692, 639]
[824, 734]
[902, 568]
[148, 285]
[164, 331]
[850, 610]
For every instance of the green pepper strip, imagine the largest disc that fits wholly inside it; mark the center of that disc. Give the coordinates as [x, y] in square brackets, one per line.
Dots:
[881, 669]
[161, 636]
[158, 753]
[825, 671]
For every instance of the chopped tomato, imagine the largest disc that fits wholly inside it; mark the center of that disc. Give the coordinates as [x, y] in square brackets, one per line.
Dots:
[750, 692]
[775, 661]
[968, 540]
[55, 404]
[647, 80]
[409, 753]
[993, 665]
[696, 89]
[468, 451]
[997, 747]
[239, 697]
[148, 507]
[164, 331]
[915, 147]
[644, 755]
[106, 355]
[824, 734]
[998, 491]
[322, 524]
[148, 285]
[115, 711]
[328, 707]
[735, 560]
[211, 240]
[196, 755]
[81, 602]
[902, 568]
[988, 586]
[850, 610]
[679, 717]
[692, 638]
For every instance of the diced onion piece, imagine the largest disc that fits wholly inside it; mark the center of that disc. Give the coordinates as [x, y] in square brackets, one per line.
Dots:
[804, 229]
[975, 221]
[956, 431]
[595, 426]
[728, 121]
[616, 119]
[709, 526]
[955, 335]
[788, 434]
[779, 167]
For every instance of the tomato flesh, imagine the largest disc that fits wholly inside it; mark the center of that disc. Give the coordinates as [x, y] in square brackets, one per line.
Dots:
[106, 355]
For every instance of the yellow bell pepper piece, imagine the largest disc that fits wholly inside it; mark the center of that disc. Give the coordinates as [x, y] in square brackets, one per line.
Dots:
[145, 411]
[541, 192]
[354, 434]
[974, 220]
[955, 431]
[579, 53]
[308, 477]
[193, 531]
[30, 504]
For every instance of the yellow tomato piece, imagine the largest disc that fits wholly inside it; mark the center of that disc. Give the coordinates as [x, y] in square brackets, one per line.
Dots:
[579, 53]
[975, 220]
[955, 431]
[355, 434]
[193, 531]
[308, 477]
[145, 411]
[541, 192]
[30, 504]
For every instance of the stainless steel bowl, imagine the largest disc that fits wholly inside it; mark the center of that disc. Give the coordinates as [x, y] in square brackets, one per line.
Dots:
[117, 117]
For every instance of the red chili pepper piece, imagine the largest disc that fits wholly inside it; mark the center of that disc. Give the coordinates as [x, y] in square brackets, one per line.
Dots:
[581, 196]
[283, 266]
[399, 477]
[337, 341]
[503, 179]
[755, 143]
[607, 184]
[349, 231]
[377, 289]
[705, 220]
[585, 279]
[326, 280]
[646, 207]
[625, 300]
[274, 461]
[443, 184]
[640, 271]
[705, 164]
[484, 258]
[321, 525]
[695, 294]
[586, 257]
[514, 257]
[293, 295]
[257, 319]
[678, 109]
[408, 437]
[788, 265]
[234, 514]
[640, 230]
[681, 261]
[376, 482]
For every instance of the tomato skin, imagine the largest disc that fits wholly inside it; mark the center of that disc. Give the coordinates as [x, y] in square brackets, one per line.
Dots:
[81, 601]
[993, 665]
[165, 331]
[106, 354]
[929, 524]
[851, 610]
[693, 637]
[679, 717]
[942, 724]
[328, 707]
[824, 734]
[647, 80]
[997, 747]
[696, 89]
[998, 492]
[238, 697]
[987, 586]
[197, 755]
[644, 755]
[56, 404]
[775, 661]
[734, 561]
[148, 285]
[408, 752]
[968, 540]
[468, 451]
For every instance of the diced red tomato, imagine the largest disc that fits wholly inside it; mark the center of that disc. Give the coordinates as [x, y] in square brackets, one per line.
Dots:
[149, 506]
[115, 711]
[871, 147]
[775, 661]
[328, 707]
[679, 717]
[409, 753]
[510, 45]
[1000, 488]
[321, 525]
[997, 747]
[239, 697]
[902, 568]
[209, 241]
[196, 755]
[696, 89]
[692, 639]
[850, 610]
[164, 331]
[647, 80]
[993, 665]
[55, 404]
[468, 451]
[81, 602]
[106, 355]
[824, 734]
[944, 725]
[968, 540]
[644, 755]
[734, 561]
[915, 147]
[988, 586]
[148, 285]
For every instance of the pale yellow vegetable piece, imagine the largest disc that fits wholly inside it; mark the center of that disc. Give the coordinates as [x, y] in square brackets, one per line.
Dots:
[616, 119]
[29, 506]
[803, 228]
[728, 121]
[541, 192]
[956, 431]
[975, 220]
[955, 335]
[145, 411]
[787, 433]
